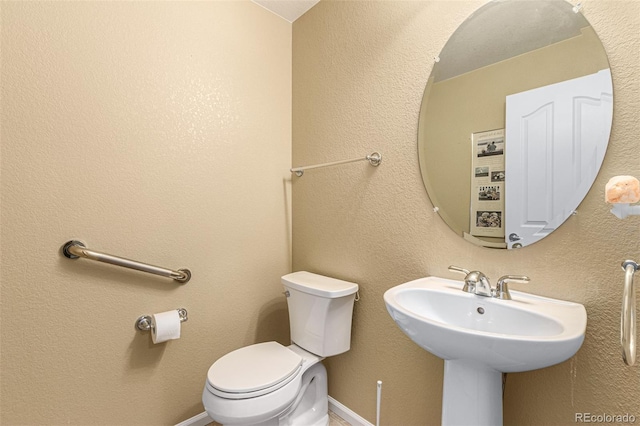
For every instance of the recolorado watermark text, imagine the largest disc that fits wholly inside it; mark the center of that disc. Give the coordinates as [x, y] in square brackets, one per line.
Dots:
[604, 418]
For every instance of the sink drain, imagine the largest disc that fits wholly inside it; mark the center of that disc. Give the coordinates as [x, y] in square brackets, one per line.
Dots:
[480, 310]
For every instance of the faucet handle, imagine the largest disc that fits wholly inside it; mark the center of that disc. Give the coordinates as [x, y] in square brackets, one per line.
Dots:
[502, 289]
[458, 269]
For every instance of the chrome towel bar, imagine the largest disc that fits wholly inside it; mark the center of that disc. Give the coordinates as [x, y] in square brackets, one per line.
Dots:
[374, 159]
[74, 249]
[628, 314]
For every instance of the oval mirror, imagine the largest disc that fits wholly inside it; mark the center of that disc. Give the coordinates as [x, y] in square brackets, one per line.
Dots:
[515, 121]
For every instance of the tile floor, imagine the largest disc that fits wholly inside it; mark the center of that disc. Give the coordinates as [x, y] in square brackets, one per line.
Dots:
[335, 420]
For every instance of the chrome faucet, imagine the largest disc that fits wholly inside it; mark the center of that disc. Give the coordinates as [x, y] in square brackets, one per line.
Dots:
[476, 282]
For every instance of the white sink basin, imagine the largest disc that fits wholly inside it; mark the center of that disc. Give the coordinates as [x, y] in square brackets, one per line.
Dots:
[525, 333]
[481, 337]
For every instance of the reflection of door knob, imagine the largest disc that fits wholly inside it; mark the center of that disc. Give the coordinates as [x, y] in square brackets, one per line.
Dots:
[514, 237]
[516, 245]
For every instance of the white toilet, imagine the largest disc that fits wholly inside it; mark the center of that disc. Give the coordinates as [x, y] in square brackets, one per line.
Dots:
[270, 384]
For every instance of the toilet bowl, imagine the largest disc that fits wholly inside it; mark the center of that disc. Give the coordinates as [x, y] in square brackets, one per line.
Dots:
[267, 381]
[271, 384]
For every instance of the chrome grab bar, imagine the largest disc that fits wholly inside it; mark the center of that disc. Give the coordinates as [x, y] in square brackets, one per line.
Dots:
[628, 314]
[74, 249]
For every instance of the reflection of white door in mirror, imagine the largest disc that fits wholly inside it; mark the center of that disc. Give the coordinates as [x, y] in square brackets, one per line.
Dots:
[553, 152]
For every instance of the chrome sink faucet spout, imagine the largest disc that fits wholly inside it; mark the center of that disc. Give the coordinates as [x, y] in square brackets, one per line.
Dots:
[477, 283]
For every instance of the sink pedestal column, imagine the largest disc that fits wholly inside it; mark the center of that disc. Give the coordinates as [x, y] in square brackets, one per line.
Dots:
[472, 394]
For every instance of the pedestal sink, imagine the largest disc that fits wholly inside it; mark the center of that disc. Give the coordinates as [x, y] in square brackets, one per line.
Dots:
[482, 337]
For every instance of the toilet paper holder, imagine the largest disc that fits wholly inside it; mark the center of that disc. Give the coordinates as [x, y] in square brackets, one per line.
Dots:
[144, 323]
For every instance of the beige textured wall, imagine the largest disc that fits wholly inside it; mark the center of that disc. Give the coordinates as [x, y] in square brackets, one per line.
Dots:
[158, 131]
[360, 69]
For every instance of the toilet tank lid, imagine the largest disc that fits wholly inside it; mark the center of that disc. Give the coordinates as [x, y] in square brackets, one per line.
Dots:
[319, 285]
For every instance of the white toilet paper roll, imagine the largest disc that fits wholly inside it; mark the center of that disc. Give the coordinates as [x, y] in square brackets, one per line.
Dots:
[165, 326]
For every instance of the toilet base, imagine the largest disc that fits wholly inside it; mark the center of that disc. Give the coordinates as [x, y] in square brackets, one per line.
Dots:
[311, 407]
[324, 421]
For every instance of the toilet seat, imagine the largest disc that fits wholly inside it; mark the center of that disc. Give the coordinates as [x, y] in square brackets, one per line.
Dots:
[253, 371]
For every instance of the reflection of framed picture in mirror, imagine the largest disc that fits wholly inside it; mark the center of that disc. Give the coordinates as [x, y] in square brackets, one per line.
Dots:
[489, 193]
[487, 203]
[488, 150]
[497, 176]
[490, 147]
[488, 219]
[482, 172]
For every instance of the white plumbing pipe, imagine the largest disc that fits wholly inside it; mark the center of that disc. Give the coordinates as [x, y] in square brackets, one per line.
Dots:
[379, 394]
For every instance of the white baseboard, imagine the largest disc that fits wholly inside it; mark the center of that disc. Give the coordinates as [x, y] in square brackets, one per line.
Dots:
[350, 416]
[201, 419]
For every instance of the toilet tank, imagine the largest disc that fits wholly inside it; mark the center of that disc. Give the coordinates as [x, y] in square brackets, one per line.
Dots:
[320, 312]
